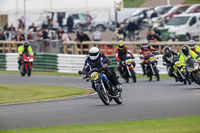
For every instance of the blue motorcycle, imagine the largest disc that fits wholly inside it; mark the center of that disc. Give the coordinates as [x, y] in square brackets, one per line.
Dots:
[105, 89]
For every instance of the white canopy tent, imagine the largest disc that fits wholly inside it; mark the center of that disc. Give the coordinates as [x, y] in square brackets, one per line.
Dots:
[37, 9]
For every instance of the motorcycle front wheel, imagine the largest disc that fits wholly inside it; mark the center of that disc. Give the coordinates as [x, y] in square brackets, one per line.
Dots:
[133, 76]
[102, 95]
[22, 70]
[29, 70]
[157, 73]
[197, 76]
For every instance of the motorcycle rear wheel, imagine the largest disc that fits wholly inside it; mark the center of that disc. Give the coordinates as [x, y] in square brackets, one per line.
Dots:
[118, 100]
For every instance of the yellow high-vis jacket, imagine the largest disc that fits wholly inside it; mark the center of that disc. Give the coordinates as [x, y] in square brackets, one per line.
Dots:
[196, 49]
[183, 58]
[21, 50]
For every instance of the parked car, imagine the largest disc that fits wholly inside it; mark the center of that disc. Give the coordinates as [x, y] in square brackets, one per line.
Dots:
[178, 9]
[80, 19]
[162, 9]
[138, 17]
[184, 26]
[193, 9]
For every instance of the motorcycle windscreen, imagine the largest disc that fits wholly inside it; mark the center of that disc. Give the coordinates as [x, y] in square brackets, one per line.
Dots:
[27, 54]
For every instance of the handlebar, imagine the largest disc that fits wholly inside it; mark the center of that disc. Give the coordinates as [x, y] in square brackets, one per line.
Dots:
[91, 71]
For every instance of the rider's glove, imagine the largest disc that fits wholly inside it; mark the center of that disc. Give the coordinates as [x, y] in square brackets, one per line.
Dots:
[105, 65]
[80, 72]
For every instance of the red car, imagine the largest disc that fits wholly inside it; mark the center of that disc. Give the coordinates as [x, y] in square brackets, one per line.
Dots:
[178, 9]
[193, 9]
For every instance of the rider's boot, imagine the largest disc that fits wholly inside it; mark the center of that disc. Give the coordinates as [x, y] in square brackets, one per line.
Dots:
[127, 80]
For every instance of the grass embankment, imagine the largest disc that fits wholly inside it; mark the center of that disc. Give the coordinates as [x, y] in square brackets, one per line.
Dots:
[171, 125]
[133, 3]
[192, 2]
[28, 93]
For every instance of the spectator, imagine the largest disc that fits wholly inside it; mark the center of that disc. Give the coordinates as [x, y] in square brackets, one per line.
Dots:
[70, 23]
[60, 19]
[40, 35]
[21, 24]
[59, 33]
[65, 37]
[45, 34]
[2, 36]
[34, 29]
[8, 35]
[11, 28]
[78, 36]
[153, 37]
[154, 14]
[131, 30]
[120, 34]
[20, 36]
[29, 35]
[46, 23]
[84, 37]
[97, 35]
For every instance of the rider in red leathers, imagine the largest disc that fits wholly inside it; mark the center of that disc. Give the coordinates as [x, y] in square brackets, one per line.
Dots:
[121, 54]
[146, 51]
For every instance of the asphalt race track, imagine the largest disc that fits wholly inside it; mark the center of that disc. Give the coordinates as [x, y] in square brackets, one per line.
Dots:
[141, 101]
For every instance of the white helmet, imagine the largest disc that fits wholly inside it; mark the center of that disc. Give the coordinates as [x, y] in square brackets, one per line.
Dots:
[145, 43]
[191, 43]
[94, 53]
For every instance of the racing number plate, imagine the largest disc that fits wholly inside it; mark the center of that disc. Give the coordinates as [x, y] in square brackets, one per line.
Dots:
[94, 75]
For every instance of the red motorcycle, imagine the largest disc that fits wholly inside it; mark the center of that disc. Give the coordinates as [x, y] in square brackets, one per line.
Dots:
[128, 65]
[27, 62]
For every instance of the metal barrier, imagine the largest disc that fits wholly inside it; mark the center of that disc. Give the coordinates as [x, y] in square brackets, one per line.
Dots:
[73, 47]
[66, 63]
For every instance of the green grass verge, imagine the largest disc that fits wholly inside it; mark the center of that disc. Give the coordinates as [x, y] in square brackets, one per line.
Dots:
[28, 93]
[164, 76]
[171, 125]
[133, 3]
[192, 2]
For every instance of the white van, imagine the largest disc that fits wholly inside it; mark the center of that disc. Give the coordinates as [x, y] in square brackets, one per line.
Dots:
[185, 26]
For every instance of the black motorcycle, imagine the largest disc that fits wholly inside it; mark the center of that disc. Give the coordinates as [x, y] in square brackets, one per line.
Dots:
[105, 89]
[193, 69]
[128, 65]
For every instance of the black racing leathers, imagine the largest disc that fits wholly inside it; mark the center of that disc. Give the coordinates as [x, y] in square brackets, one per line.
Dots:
[169, 62]
[100, 62]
